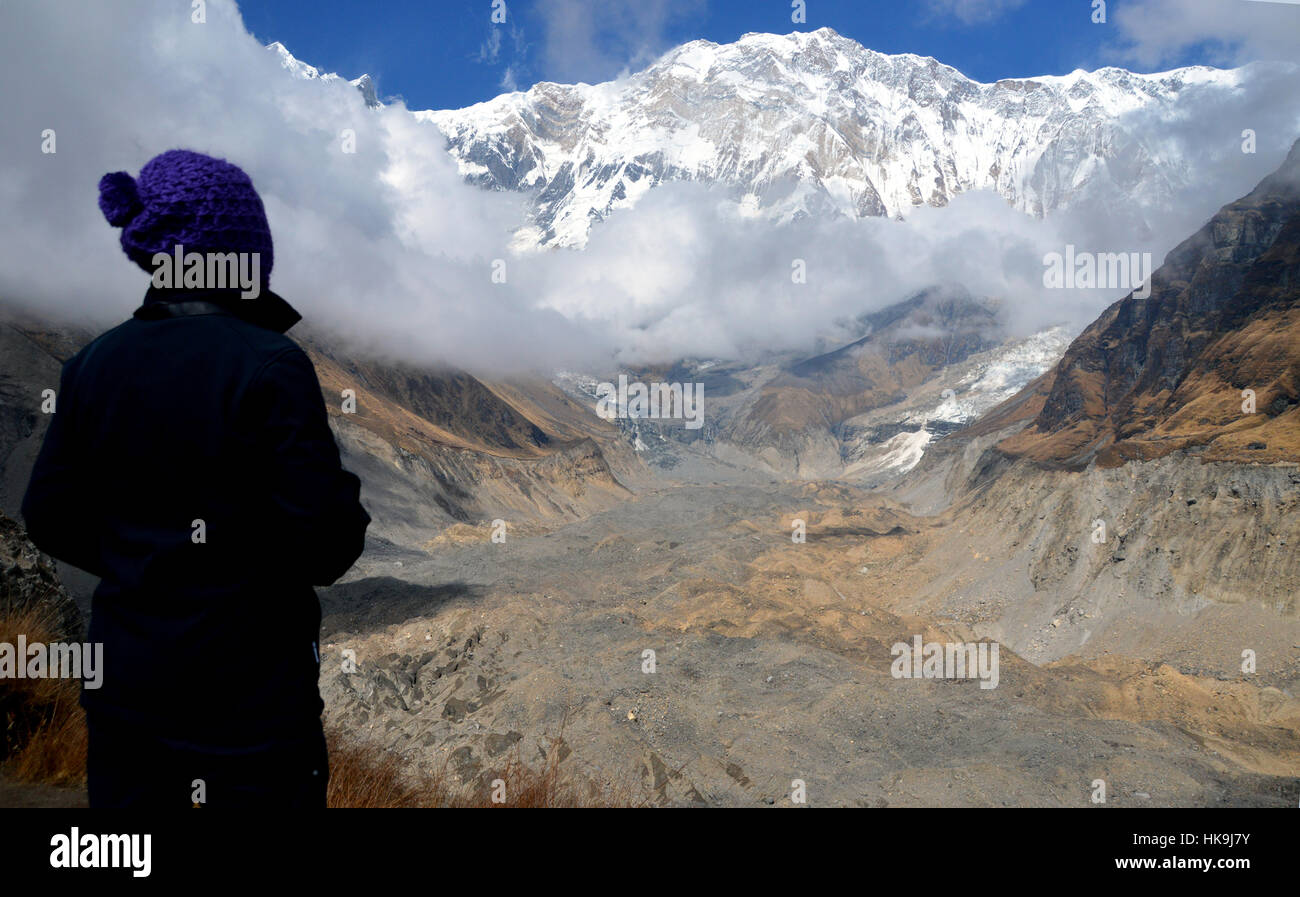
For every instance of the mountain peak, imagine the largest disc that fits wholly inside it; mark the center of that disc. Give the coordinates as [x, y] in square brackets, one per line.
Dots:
[295, 66]
[825, 32]
[813, 124]
[366, 85]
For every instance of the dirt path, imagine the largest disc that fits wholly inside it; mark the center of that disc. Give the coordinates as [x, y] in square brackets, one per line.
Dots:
[24, 795]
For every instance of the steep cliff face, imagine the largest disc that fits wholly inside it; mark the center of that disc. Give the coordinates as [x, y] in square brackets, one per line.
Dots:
[1178, 369]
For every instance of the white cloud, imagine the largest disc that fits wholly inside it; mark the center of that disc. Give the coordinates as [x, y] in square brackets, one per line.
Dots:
[595, 40]
[1154, 32]
[386, 245]
[974, 12]
[390, 249]
[490, 50]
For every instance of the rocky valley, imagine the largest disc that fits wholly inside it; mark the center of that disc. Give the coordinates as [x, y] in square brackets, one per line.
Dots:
[944, 560]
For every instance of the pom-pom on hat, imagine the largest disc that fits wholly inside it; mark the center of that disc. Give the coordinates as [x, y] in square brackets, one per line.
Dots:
[182, 197]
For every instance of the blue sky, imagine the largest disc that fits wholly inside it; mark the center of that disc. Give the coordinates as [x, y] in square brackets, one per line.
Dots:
[448, 54]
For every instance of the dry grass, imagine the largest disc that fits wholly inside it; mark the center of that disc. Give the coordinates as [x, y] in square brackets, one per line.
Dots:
[44, 738]
[362, 776]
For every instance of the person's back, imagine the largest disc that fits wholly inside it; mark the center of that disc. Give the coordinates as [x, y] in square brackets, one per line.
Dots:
[190, 465]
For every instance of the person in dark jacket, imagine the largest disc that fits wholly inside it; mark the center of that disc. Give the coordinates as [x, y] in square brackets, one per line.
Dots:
[189, 464]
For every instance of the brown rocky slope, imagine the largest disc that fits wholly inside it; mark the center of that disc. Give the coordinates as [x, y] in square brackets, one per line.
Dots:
[1170, 372]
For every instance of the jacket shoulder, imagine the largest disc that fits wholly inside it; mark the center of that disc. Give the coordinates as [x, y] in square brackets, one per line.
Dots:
[261, 342]
[255, 347]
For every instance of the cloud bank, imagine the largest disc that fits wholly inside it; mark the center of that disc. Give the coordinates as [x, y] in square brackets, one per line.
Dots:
[1154, 32]
[389, 250]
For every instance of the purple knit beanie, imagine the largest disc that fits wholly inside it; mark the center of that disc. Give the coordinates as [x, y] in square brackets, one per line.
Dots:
[205, 204]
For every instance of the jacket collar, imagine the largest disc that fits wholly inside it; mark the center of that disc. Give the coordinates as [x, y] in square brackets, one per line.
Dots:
[268, 310]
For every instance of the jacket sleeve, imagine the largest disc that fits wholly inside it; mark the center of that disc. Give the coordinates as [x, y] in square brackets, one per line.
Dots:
[316, 523]
[58, 505]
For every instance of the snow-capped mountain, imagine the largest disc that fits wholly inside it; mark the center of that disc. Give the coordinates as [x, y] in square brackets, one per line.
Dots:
[365, 83]
[816, 124]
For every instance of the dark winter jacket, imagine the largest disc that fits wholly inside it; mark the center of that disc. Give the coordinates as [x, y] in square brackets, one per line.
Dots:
[190, 465]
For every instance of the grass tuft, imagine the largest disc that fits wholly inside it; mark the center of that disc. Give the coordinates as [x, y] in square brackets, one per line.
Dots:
[44, 736]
